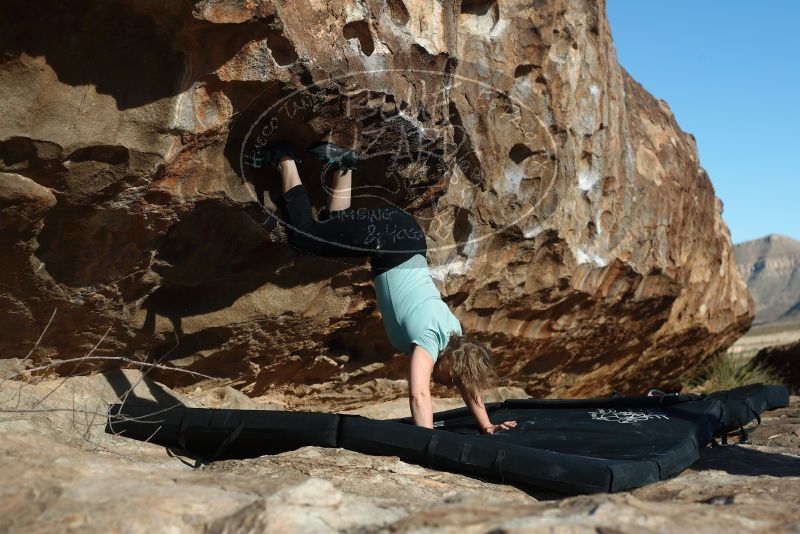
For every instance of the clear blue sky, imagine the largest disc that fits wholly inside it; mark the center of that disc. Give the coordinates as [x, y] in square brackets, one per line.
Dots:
[730, 71]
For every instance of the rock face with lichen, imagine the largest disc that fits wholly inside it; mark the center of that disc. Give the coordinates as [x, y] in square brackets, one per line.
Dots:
[569, 221]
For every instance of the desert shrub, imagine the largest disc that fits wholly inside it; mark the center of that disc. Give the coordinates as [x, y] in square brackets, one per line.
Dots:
[725, 371]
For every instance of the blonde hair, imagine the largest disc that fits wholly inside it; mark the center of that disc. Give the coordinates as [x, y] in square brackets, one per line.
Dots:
[470, 362]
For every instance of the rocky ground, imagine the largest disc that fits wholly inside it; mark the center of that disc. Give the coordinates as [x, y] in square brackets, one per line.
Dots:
[63, 473]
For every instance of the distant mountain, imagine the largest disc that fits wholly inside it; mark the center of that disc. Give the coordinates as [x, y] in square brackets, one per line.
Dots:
[771, 267]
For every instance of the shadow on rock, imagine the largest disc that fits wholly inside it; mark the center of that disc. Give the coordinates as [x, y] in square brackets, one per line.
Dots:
[743, 460]
[117, 48]
[125, 390]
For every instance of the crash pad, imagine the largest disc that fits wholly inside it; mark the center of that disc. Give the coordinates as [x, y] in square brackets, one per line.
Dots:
[570, 446]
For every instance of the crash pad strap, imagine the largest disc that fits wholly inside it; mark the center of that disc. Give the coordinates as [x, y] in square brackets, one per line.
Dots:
[431, 449]
[498, 462]
[463, 457]
[231, 437]
[182, 431]
[752, 409]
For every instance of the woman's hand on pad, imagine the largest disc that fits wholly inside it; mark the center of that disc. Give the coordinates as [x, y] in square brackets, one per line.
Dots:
[491, 429]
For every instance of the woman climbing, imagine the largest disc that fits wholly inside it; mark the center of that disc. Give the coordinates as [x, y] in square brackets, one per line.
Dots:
[416, 319]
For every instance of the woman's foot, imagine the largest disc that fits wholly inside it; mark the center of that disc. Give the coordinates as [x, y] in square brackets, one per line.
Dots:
[272, 154]
[335, 155]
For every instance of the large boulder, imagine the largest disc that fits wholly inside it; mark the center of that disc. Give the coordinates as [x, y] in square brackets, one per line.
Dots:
[569, 221]
[784, 360]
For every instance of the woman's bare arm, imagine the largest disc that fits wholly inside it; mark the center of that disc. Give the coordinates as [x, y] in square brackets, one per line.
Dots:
[419, 387]
[476, 406]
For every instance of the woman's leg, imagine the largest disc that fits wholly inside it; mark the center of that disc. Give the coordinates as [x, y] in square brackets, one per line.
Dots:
[336, 236]
[289, 175]
[388, 235]
[339, 194]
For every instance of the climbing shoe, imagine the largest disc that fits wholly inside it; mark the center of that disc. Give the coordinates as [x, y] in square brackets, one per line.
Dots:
[334, 155]
[271, 154]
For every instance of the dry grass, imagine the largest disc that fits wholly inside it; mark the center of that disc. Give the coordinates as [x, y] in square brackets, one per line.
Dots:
[726, 371]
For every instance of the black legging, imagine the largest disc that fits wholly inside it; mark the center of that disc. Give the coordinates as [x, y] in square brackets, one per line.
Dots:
[387, 235]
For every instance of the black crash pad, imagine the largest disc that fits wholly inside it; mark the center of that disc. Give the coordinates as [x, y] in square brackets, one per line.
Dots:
[568, 446]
